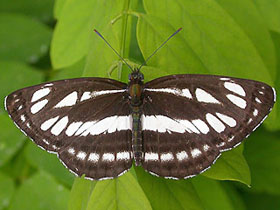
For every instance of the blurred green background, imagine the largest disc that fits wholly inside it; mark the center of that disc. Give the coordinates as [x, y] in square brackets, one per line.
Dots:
[54, 39]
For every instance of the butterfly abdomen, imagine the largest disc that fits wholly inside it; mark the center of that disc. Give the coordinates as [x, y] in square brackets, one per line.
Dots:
[137, 136]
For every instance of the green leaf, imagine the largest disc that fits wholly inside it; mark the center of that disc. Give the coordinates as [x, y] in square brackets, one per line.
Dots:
[121, 193]
[163, 193]
[23, 38]
[11, 139]
[270, 12]
[7, 189]
[79, 19]
[212, 36]
[212, 194]
[71, 35]
[41, 191]
[42, 160]
[176, 56]
[262, 154]
[15, 75]
[231, 166]
[246, 15]
[58, 6]
[42, 10]
[80, 193]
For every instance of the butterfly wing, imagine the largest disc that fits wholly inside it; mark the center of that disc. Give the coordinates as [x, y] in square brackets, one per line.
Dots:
[188, 120]
[86, 121]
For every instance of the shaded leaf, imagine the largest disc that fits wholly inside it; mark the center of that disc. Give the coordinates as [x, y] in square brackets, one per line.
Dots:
[42, 10]
[212, 194]
[41, 191]
[45, 161]
[262, 154]
[164, 193]
[230, 166]
[7, 189]
[74, 71]
[15, 75]
[11, 139]
[23, 38]
[261, 201]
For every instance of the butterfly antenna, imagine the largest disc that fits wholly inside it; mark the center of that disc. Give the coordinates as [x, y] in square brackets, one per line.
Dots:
[145, 62]
[113, 49]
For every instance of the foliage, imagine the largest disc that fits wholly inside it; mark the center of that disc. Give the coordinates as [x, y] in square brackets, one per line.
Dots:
[55, 40]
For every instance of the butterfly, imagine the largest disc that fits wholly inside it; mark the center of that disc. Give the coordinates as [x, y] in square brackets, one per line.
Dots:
[174, 126]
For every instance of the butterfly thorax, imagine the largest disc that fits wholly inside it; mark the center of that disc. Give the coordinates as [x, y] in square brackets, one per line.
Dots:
[135, 91]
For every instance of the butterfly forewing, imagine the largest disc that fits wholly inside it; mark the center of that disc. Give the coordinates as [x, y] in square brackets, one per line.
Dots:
[189, 119]
[86, 121]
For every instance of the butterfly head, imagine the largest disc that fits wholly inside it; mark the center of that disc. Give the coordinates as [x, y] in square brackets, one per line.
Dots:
[136, 76]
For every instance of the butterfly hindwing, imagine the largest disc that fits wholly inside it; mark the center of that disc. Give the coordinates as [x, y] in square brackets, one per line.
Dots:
[189, 119]
[86, 121]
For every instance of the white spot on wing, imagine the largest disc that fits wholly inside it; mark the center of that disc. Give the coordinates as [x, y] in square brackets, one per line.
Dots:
[164, 124]
[224, 79]
[71, 151]
[205, 147]
[240, 102]
[84, 127]
[72, 128]
[227, 120]
[94, 157]
[255, 113]
[195, 152]
[215, 123]
[38, 106]
[202, 126]
[104, 92]
[151, 156]
[20, 107]
[48, 123]
[22, 117]
[274, 94]
[59, 126]
[40, 94]
[108, 157]
[69, 100]
[221, 144]
[233, 87]
[123, 156]
[109, 124]
[184, 92]
[188, 126]
[46, 142]
[81, 155]
[182, 155]
[203, 96]
[258, 100]
[85, 96]
[166, 157]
